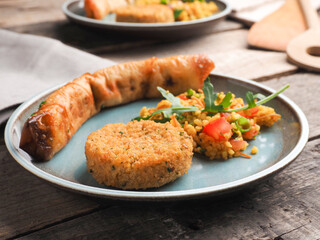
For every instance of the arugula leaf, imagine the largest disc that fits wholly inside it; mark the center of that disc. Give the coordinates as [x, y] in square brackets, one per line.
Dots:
[175, 101]
[210, 106]
[262, 101]
[250, 99]
[176, 107]
[226, 102]
[210, 97]
[259, 96]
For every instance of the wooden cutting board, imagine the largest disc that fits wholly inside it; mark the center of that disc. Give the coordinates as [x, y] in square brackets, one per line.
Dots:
[277, 29]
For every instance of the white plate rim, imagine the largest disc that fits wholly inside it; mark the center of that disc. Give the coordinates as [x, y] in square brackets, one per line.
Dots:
[160, 195]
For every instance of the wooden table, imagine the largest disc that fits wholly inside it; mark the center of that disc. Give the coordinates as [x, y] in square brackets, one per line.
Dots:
[286, 206]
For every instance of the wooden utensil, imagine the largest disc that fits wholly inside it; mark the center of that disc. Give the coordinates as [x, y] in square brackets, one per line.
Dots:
[304, 50]
[276, 30]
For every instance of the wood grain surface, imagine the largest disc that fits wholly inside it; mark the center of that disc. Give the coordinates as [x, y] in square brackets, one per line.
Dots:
[286, 206]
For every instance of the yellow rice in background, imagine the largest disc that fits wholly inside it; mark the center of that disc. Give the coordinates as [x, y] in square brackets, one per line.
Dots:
[194, 123]
[190, 10]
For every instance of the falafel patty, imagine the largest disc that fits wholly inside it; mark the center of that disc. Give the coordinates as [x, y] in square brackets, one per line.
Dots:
[138, 155]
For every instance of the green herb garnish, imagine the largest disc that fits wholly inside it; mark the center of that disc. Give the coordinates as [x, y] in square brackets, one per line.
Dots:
[176, 13]
[176, 107]
[43, 102]
[164, 2]
[211, 96]
[210, 106]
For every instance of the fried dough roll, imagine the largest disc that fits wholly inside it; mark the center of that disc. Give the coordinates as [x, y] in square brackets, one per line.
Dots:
[48, 130]
[128, 82]
[58, 118]
[98, 9]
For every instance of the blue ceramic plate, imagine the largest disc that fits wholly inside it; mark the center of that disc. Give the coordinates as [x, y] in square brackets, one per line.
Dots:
[278, 146]
[74, 10]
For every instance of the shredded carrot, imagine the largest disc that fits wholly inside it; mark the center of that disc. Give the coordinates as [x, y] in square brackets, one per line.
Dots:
[198, 101]
[174, 121]
[244, 155]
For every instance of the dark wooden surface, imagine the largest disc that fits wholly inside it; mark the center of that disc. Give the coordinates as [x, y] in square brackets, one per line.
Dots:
[286, 206]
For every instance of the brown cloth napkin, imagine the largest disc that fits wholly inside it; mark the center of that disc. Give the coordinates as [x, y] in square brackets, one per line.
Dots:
[30, 64]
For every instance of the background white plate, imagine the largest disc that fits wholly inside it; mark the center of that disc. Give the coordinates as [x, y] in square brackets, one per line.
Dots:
[73, 9]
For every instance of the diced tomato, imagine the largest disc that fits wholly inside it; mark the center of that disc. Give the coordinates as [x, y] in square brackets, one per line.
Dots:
[249, 113]
[225, 115]
[183, 97]
[238, 144]
[251, 133]
[218, 128]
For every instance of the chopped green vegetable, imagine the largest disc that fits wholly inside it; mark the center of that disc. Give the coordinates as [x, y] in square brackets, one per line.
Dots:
[176, 13]
[190, 92]
[243, 124]
[43, 102]
[164, 2]
[203, 150]
[121, 132]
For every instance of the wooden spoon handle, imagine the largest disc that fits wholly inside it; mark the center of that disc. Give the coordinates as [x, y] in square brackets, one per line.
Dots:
[310, 14]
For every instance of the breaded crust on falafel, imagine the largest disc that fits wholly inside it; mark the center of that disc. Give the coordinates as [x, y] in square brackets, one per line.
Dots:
[138, 155]
[145, 14]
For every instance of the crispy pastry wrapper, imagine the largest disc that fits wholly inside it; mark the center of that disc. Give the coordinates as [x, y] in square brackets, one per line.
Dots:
[65, 110]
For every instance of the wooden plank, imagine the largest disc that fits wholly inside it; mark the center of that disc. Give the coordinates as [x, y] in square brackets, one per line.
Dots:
[22, 12]
[99, 41]
[28, 203]
[304, 87]
[284, 206]
[228, 50]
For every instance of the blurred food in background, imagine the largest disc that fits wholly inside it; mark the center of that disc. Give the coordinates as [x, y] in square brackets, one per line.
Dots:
[150, 11]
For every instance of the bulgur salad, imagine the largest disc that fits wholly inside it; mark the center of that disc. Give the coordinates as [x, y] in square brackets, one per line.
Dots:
[220, 124]
[185, 10]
